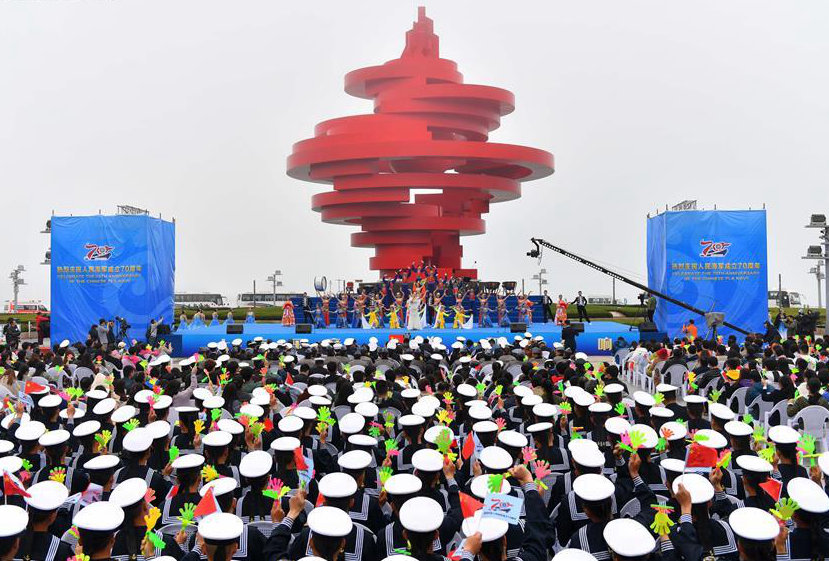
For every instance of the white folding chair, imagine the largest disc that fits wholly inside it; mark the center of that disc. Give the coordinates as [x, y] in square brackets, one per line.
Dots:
[812, 420]
[738, 398]
[780, 408]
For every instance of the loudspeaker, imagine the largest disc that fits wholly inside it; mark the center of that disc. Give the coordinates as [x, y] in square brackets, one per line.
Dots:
[235, 329]
[578, 326]
[517, 327]
[647, 327]
[303, 328]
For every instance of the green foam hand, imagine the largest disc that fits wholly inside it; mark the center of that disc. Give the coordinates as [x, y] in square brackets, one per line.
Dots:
[215, 414]
[714, 396]
[173, 452]
[156, 540]
[759, 434]
[102, 438]
[620, 409]
[767, 454]
[658, 398]
[806, 447]
[130, 425]
[494, 483]
[186, 514]
[481, 387]
[443, 441]
[324, 416]
[661, 444]
[784, 509]
[498, 389]
[748, 418]
[385, 473]
[599, 391]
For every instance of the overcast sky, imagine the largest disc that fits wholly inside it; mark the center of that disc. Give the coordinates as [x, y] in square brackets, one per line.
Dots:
[189, 109]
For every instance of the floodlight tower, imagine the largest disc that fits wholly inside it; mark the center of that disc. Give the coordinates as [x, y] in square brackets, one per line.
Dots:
[820, 252]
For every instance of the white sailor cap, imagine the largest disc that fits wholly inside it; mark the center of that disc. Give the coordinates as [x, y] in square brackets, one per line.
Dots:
[512, 438]
[521, 390]
[317, 390]
[212, 345]
[407, 356]
[220, 528]
[720, 411]
[123, 414]
[46, 496]
[317, 400]
[356, 460]
[539, 427]
[255, 464]
[783, 434]
[754, 524]
[588, 457]
[104, 407]
[305, 413]
[601, 407]
[710, 438]
[236, 342]
[352, 423]
[137, 440]
[190, 461]
[491, 529]
[53, 438]
[143, 396]
[584, 399]
[231, 426]
[329, 521]
[673, 465]
[628, 538]
[221, 486]
[665, 388]
[7, 420]
[531, 400]
[480, 486]
[285, 444]
[427, 460]
[673, 431]
[30, 431]
[410, 393]
[128, 492]
[644, 399]
[6, 446]
[159, 429]
[101, 516]
[593, 487]
[467, 390]
[49, 401]
[288, 359]
[200, 394]
[337, 485]
[291, 423]
[698, 486]
[213, 402]
[738, 428]
[11, 464]
[617, 425]
[79, 413]
[809, 496]
[581, 443]
[64, 343]
[495, 458]
[408, 421]
[755, 464]
[545, 410]
[430, 400]
[483, 427]
[403, 484]
[423, 409]
[13, 521]
[476, 403]
[571, 391]
[480, 413]
[217, 439]
[614, 388]
[661, 412]
[421, 514]
[251, 410]
[694, 398]
[362, 440]
[265, 400]
[571, 554]
[432, 433]
[651, 438]
[102, 462]
[465, 359]
[86, 428]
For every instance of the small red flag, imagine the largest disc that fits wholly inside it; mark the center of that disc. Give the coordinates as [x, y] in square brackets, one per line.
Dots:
[13, 486]
[468, 447]
[772, 487]
[469, 505]
[320, 500]
[289, 379]
[33, 387]
[700, 456]
[299, 460]
[268, 425]
[207, 504]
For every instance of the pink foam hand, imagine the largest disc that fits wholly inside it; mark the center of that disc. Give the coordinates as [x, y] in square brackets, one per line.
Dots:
[529, 454]
[541, 469]
[501, 422]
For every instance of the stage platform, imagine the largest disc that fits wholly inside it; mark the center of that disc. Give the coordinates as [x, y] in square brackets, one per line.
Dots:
[597, 338]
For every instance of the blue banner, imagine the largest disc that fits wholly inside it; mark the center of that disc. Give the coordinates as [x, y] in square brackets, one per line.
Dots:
[108, 266]
[714, 260]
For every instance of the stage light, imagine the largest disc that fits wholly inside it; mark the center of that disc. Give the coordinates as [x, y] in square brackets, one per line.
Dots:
[817, 221]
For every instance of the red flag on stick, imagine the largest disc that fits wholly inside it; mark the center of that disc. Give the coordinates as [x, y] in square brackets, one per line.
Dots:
[13, 486]
[299, 460]
[469, 505]
[468, 447]
[33, 387]
[772, 487]
[700, 456]
[207, 505]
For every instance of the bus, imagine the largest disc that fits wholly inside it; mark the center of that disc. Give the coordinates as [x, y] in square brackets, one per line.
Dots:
[606, 301]
[200, 300]
[27, 307]
[790, 299]
[251, 300]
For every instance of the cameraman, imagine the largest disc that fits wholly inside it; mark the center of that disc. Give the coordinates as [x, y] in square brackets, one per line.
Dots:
[123, 326]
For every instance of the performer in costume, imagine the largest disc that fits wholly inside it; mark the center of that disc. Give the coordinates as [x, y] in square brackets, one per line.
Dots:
[319, 321]
[326, 299]
[394, 316]
[372, 317]
[381, 308]
[288, 313]
[503, 315]
[483, 311]
[359, 309]
[460, 316]
[440, 311]
[413, 318]
[250, 318]
[561, 310]
[342, 312]
[215, 319]
[528, 309]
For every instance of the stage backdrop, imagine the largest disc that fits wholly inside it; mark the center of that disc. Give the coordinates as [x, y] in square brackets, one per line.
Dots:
[107, 266]
[714, 260]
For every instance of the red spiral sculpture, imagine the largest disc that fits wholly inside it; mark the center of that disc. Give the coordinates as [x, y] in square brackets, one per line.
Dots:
[429, 132]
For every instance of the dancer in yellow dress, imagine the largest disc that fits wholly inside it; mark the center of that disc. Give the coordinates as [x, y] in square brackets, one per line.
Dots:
[372, 317]
[440, 315]
[460, 316]
[394, 316]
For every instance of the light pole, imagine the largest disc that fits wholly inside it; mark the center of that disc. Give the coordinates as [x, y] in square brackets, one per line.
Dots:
[540, 278]
[819, 276]
[276, 280]
[820, 252]
[17, 281]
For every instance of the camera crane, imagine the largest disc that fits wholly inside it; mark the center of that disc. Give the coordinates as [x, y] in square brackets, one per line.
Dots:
[536, 253]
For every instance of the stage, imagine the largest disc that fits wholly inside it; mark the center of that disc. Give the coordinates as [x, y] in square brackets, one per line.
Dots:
[597, 339]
